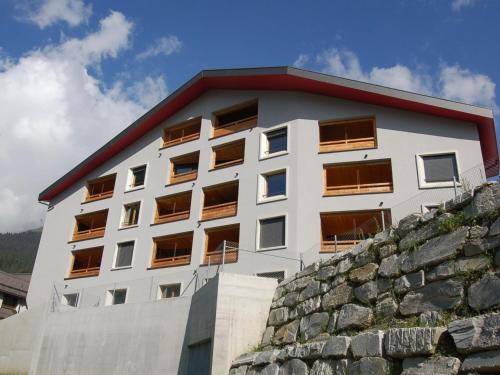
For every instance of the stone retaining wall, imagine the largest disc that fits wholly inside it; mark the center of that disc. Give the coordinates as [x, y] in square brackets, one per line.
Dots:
[422, 298]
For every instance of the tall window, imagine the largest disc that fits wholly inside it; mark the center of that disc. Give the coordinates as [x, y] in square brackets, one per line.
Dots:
[437, 170]
[272, 185]
[137, 177]
[274, 142]
[130, 215]
[124, 254]
[272, 232]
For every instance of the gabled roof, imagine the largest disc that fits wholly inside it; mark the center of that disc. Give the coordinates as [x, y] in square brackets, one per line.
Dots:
[14, 284]
[286, 79]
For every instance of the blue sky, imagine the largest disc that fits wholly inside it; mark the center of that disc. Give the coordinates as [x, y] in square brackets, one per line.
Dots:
[75, 72]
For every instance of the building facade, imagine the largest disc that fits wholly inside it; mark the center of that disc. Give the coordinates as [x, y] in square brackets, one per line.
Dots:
[13, 290]
[255, 168]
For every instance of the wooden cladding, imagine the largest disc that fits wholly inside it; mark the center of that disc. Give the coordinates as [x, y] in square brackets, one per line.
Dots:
[228, 154]
[181, 133]
[220, 201]
[173, 207]
[91, 225]
[184, 168]
[342, 230]
[173, 250]
[86, 263]
[214, 244]
[100, 188]
[234, 119]
[358, 178]
[342, 135]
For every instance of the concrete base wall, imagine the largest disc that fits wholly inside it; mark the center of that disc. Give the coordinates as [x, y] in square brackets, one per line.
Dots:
[223, 319]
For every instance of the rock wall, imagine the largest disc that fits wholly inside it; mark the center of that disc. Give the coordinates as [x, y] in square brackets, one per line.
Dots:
[421, 298]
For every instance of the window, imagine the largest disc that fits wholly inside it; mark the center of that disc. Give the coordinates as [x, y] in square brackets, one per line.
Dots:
[124, 254]
[130, 216]
[272, 233]
[181, 133]
[170, 291]
[228, 154]
[137, 177]
[272, 186]
[219, 239]
[220, 201]
[116, 297]
[86, 262]
[172, 250]
[278, 275]
[342, 230]
[358, 178]
[100, 188]
[234, 119]
[342, 135]
[173, 207]
[9, 301]
[71, 299]
[437, 170]
[274, 142]
[91, 225]
[184, 168]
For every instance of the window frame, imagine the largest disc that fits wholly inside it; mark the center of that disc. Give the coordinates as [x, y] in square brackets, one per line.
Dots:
[160, 294]
[76, 235]
[86, 274]
[156, 221]
[130, 176]
[214, 167]
[115, 255]
[171, 236]
[181, 125]
[234, 108]
[258, 234]
[421, 170]
[341, 121]
[121, 226]
[264, 142]
[262, 186]
[172, 176]
[88, 198]
[110, 296]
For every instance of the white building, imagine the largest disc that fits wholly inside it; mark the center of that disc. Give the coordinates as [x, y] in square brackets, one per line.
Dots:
[278, 162]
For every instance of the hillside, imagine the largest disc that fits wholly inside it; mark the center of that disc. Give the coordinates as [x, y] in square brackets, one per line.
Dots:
[18, 250]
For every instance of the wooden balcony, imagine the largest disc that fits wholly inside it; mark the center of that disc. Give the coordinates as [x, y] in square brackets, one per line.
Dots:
[183, 139]
[167, 218]
[85, 272]
[347, 134]
[96, 197]
[88, 234]
[382, 187]
[347, 144]
[235, 126]
[219, 210]
[100, 188]
[337, 246]
[231, 256]
[183, 177]
[181, 260]
[181, 133]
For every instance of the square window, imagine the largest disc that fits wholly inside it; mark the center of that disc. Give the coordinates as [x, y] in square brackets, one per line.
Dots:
[275, 184]
[130, 214]
[71, 299]
[276, 142]
[116, 297]
[272, 232]
[137, 177]
[124, 254]
[437, 170]
[169, 291]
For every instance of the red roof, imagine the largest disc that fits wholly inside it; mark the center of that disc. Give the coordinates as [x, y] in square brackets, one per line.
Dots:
[286, 79]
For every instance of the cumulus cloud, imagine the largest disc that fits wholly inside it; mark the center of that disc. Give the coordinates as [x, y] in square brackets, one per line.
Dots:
[49, 12]
[451, 81]
[163, 46]
[457, 5]
[52, 105]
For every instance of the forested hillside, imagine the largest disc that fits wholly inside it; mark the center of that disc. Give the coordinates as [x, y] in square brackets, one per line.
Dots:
[18, 250]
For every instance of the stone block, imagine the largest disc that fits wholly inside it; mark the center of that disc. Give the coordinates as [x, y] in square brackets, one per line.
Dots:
[386, 307]
[244, 359]
[312, 289]
[330, 367]
[408, 224]
[481, 245]
[442, 271]
[423, 233]
[482, 362]
[429, 318]
[308, 306]
[495, 227]
[478, 231]
[383, 285]
[354, 316]
[286, 334]
[336, 346]
[294, 367]
[278, 316]
[497, 259]
[272, 369]
[387, 250]
[435, 250]
[242, 370]
[391, 266]
[409, 282]
[339, 295]
[310, 350]
[484, 294]
[436, 296]
[326, 273]
[367, 292]
[411, 342]
[312, 325]
[291, 299]
[368, 344]
[267, 336]
[471, 264]
[332, 323]
[369, 365]
[343, 266]
[431, 366]
[485, 202]
[480, 333]
[266, 357]
[363, 274]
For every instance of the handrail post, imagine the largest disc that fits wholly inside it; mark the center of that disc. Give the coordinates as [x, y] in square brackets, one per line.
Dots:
[383, 219]
[335, 238]
[455, 186]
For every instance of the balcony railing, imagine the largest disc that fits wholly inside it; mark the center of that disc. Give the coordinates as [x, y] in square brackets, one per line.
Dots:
[97, 196]
[87, 234]
[174, 216]
[183, 139]
[346, 144]
[235, 126]
[181, 260]
[335, 246]
[215, 257]
[182, 177]
[85, 272]
[219, 210]
[379, 187]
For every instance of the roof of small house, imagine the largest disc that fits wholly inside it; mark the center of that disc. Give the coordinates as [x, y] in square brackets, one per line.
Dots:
[286, 79]
[14, 284]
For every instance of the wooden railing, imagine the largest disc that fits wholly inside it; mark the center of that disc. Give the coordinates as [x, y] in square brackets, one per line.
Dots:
[379, 187]
[347, 144]
[335, 246]
[171, 261]
[174, 216]
[228, 163]
[185, 138]
[87, 234]
[85, 272]
[219, 210]
[182, 177]
[231, 256]
[96, 197]
[235, 126]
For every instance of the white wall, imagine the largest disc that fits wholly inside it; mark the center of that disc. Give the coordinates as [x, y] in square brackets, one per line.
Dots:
[401, 135]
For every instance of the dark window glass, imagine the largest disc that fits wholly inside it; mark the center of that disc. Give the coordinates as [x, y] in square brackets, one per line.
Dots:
[272, 232]
[440, 168]
[119, 296]
[169, 291]
[71, 299]
[184, 168]
[277, 141]
[139, 176]
[124, 254]
[276, 184]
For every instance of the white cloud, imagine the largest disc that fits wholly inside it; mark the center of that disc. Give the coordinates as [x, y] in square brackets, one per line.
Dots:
[73, 12]
[52, 106]
[163, 46]
[457, 5]
[301, 61]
